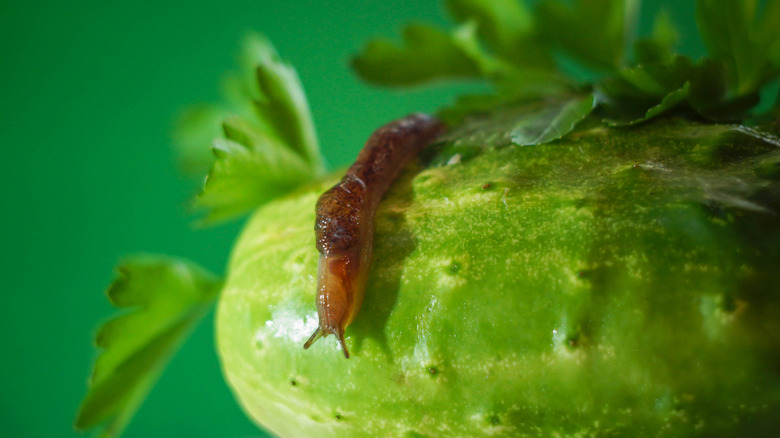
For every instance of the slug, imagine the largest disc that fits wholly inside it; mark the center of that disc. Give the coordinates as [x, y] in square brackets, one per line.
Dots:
[344, 226]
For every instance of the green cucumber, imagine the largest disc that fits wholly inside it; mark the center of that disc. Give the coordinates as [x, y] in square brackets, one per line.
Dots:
[619, 282]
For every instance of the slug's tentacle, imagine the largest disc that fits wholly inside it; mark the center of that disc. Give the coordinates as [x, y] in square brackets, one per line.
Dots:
[345, 220]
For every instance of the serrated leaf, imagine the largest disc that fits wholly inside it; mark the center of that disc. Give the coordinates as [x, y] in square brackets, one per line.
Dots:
[251, 168]
[519, 64]
[524, 123]
[502, 22]
[280, 101]
[426, 54]
[506, 26]
[512, 81]
[595, 32]
[192, 135]
[554, 122]
[710, 98]
[644, 92]
[669, 102]
[649, 82]
[657, 79]
[744, 37]
[659, 47]
[269, 146]
[167, 297]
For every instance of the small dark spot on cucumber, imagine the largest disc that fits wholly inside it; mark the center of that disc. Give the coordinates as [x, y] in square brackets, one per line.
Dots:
[453, 268]
[715, 209]
[338, 416]
[592, 274]
[494, 420]
[293, 382]
[582, 202]
[486, 186]
[433, 371]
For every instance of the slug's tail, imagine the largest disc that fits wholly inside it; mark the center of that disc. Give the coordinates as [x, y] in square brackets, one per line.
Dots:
[319, 333]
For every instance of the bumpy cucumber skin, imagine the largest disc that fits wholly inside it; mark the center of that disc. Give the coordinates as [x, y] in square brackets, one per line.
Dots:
[616, 283]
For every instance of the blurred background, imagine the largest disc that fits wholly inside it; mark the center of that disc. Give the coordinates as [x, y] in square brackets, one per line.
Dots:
[89, 91]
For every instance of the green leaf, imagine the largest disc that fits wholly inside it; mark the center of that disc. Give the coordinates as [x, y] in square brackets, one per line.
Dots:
[513, 81]
[192, 135]
[280, 101]
[167, 298]
[659, 47]
[656, 79]
[502, 23]
[669, 102]
[519, 64]
[499, 41]
[595, 32]
[270, 144]
[251, 169]
[709, 94]
[507, 28]
[524, 123]
[553, 122]
[427, 54]
[744, 37]
[641, 93]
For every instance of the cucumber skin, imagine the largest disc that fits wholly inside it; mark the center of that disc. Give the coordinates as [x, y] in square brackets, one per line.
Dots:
[615, 283]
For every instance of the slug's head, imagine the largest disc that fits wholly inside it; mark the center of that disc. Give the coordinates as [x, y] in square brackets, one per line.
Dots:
[339, 295]
[320, 333]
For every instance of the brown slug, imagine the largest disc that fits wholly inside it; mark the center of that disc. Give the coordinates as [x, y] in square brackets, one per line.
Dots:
[345, 220]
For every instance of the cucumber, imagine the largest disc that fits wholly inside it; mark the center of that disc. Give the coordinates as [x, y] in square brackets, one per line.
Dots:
[618, 282]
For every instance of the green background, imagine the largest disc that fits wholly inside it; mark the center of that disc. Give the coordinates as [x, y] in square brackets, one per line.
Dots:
[88, 93]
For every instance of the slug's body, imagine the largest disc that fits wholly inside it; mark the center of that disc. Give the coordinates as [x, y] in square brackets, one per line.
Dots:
[345, 220]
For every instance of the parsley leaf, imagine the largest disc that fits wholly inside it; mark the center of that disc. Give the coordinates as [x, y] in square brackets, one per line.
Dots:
[427, 54]
[554, 122]
[508, 29]
[520, 66]
[671, 100]
[594, 32]
[524, 123]
[192, 135]
[251, 169]
[269, 144]
[641, 93]
[635, 95]
[503, 43]
[659, 47]
[744, 38]
[519, 63]
[169, 297]
[280, 101]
